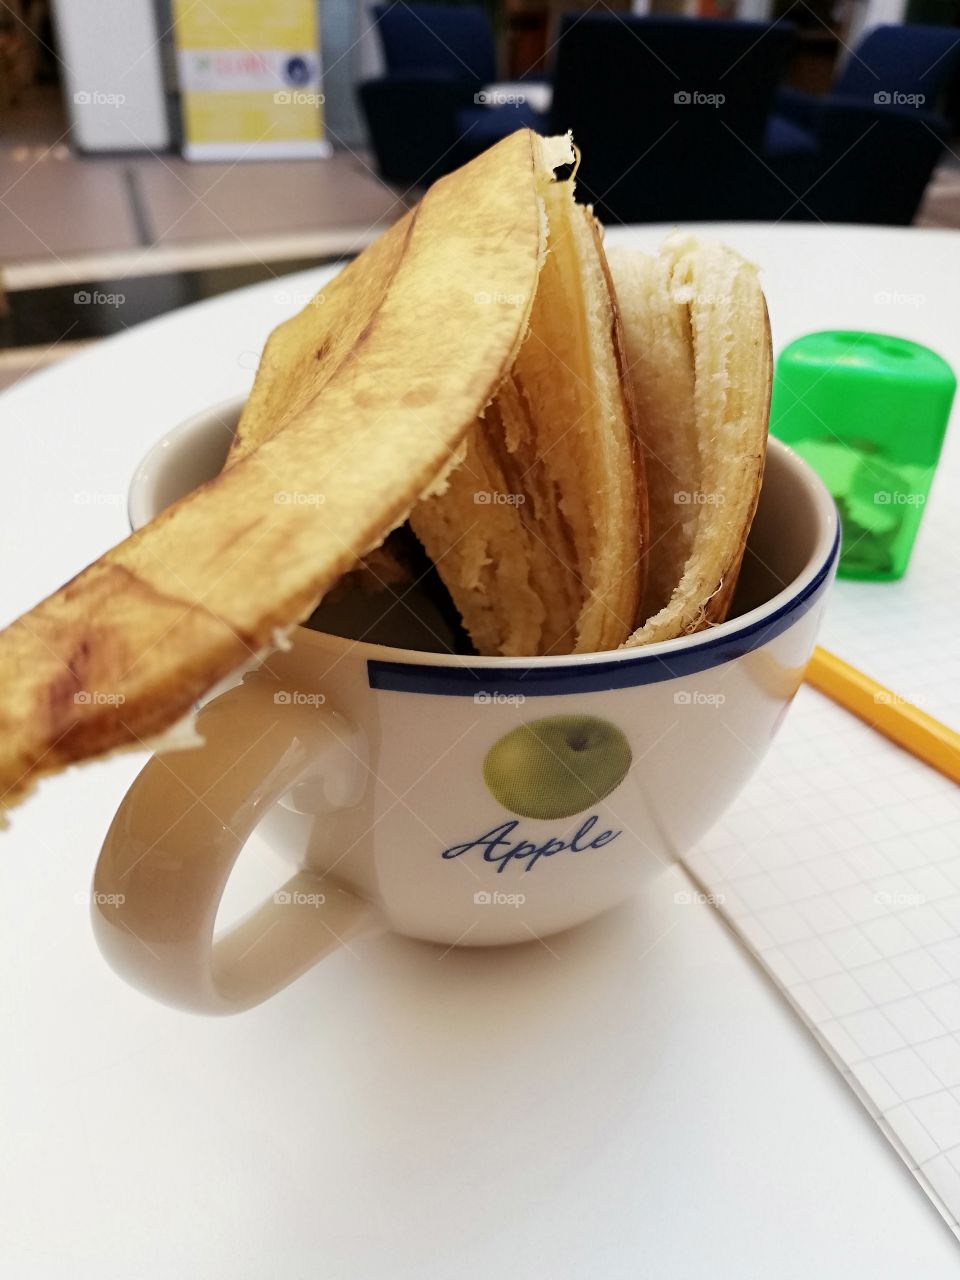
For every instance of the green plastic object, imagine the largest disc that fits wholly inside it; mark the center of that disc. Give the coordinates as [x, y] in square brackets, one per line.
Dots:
[869, 413]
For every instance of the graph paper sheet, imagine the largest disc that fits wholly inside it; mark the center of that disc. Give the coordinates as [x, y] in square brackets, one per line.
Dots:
[840, 869]
[839, 866]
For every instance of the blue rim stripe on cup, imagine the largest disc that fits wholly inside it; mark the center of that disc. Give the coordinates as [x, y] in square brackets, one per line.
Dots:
[597, 677]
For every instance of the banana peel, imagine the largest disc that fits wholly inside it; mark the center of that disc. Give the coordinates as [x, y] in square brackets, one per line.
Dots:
[369, 397]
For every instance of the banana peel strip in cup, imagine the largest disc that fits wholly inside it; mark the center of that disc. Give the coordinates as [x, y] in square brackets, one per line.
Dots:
[482, 346]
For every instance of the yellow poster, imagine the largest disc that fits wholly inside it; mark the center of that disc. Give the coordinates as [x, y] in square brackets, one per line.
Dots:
[250, 82]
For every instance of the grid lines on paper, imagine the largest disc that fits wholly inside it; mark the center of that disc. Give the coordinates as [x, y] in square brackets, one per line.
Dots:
[839, 866]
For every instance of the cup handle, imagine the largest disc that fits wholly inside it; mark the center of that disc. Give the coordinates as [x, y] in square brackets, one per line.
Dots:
[174, 840]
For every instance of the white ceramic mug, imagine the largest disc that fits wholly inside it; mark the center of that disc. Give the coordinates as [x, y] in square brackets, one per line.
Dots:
[460, 800]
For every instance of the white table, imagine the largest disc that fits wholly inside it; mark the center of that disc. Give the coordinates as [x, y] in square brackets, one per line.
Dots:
[640, 1103]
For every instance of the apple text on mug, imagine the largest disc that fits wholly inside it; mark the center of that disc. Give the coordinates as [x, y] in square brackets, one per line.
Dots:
[498, 845]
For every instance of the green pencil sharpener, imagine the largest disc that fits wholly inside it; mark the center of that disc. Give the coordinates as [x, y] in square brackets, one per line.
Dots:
[869, 413]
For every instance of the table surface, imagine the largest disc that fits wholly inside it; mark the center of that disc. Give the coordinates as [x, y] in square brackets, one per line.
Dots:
[635, 1100]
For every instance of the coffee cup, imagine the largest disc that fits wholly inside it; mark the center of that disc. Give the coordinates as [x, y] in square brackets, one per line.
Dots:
[460, 800]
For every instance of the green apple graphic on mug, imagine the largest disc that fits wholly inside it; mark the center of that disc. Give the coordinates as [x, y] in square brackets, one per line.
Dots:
[557, 766]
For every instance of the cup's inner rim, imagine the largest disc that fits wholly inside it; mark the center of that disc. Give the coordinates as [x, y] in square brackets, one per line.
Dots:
[814, 571]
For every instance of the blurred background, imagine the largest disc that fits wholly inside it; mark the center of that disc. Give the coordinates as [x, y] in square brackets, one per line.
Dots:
[153, 152]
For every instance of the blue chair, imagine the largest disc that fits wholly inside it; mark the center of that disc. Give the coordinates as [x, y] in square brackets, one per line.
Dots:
[865, 152]
[453, 40]
[426, 116]
[671, 114]
[872, 164]
[438, 58]
[890, 64]
[412, 124]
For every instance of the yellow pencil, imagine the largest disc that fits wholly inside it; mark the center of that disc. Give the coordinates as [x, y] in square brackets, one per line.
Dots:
[885, 711]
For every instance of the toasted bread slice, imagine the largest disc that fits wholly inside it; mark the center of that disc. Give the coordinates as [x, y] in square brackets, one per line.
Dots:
[124, 650]
[697, 339]
[539, 534]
